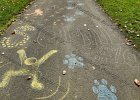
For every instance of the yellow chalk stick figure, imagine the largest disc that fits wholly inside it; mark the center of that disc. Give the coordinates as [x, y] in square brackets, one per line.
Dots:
[29, 62]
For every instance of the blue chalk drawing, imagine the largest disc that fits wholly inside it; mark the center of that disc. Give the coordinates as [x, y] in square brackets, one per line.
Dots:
[79, 4]
[69, 17]
[103, 92]
[78, 12]
[73, 61]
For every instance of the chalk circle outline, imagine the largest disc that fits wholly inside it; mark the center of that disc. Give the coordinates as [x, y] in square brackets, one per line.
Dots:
[30, 61]
[53, 36]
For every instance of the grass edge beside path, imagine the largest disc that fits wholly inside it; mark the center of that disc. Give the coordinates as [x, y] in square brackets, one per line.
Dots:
[126, 13]
[8, 11]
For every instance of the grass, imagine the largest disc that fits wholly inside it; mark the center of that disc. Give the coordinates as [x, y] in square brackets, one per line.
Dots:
[126, 13]
[8, 10]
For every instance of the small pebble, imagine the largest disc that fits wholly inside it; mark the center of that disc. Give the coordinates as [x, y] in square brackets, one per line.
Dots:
[64, 72]
[85, 24]
[138, 35]
[88, 29]
[2, 53]
[1, 62]
[93, 68]
[54, 23]
[137, 82]
[129, 44]
[29, 78]
[134, 45]
[97, 26]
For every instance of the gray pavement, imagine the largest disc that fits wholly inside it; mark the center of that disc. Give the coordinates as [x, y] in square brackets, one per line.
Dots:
[81, 58]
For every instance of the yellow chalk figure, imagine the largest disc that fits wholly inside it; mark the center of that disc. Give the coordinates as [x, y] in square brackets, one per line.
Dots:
[30, 62]
[57, 90]
[9, 74]
[46, 97]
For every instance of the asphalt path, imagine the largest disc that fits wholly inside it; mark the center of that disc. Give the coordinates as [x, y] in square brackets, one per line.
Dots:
[67, 50]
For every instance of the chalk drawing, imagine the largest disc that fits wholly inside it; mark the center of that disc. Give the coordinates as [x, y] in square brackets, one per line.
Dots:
[79, 4]
[9, 74]
[2, 65]
[73, 61]
[57, 90]
[46, 37]
[46, 97]
[19, 38]
[104, 93]
[70, 4]
[29, 63]
[37, 12]
[69, 17]
[78, 12]
[4, 62]
[68, 89]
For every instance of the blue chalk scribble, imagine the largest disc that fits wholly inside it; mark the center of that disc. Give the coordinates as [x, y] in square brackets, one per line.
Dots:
[73, 61]
[102, 90]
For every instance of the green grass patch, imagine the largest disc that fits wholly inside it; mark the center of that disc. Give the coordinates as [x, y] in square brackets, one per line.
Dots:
[127, 14]
[8, 10]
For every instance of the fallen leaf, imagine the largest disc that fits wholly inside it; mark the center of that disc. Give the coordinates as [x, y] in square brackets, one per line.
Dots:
[13, 33]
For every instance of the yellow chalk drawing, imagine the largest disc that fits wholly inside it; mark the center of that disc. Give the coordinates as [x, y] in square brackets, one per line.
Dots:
[57, 89]
[3, 63]
[28, 62]
[8, 75]
[68, 89]
[53, 92]
[20, 34]
[35, 83]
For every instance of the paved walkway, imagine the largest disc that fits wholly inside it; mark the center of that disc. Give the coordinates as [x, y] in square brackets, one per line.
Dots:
[64, 50]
